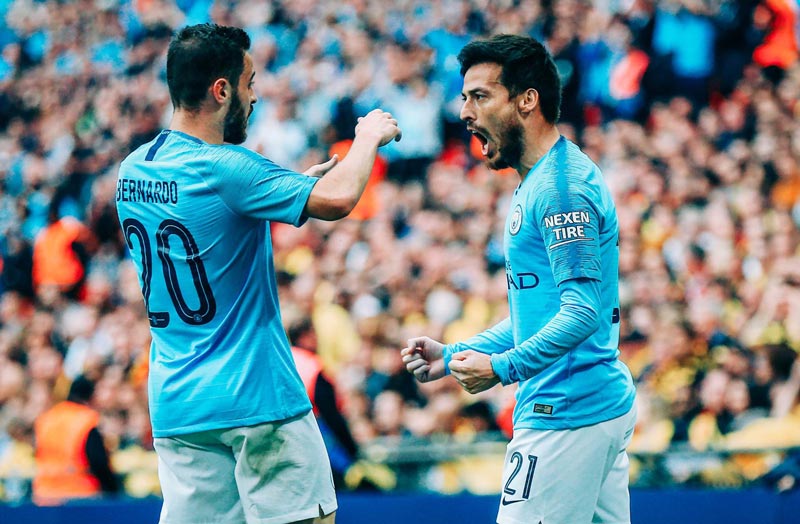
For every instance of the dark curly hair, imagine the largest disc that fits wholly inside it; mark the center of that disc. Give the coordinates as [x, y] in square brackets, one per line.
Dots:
[526, 64]
[199, 55]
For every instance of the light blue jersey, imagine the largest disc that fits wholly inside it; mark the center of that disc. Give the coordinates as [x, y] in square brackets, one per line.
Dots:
[196, 219]
[561, 341]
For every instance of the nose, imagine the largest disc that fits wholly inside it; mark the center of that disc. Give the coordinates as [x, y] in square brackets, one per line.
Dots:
[466, 114]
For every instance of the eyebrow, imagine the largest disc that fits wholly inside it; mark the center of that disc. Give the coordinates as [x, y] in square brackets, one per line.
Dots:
[473, 91]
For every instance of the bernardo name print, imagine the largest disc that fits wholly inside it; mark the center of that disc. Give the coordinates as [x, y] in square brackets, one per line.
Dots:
[147, 191]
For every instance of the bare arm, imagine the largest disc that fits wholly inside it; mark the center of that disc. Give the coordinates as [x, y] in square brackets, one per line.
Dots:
[99, 463]
[786, 397]
[337, 193]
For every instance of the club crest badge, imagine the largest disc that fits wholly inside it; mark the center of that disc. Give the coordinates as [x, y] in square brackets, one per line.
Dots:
[516, 220]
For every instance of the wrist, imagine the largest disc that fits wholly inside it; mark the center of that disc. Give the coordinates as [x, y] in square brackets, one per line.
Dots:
[501, 366]
[447, 356]
[369, 138]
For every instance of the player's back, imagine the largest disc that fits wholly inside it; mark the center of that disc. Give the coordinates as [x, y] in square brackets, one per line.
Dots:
[195, 216]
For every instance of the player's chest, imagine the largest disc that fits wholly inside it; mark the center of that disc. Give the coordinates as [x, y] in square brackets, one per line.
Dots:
[522, 238]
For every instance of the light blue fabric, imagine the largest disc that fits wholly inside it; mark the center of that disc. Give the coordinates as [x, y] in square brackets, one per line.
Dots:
[694, 53]
[37, 45]
[447, 71]
[221, 359]
[6, 68]
[689, 37]
[110, 53]
[561, 340]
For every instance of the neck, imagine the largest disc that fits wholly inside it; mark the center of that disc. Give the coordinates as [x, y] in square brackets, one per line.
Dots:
[198, 124]
[538, 142]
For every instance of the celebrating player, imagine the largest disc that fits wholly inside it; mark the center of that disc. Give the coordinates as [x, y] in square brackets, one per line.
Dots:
[234, 432]
[574, 417]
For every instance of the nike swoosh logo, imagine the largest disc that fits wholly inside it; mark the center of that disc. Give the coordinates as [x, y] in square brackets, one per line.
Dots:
[509, 502]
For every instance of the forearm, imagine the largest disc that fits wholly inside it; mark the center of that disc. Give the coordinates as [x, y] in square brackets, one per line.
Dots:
[325, 398]
[577, 318]
[496, 339]
[337, 193]
[99, 463]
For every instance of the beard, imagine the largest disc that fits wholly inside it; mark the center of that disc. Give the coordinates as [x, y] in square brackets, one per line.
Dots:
[235, 131]
[510, 153]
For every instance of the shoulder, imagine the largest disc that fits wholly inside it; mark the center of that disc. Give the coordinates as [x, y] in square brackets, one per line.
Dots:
[570, 163]
[236, 151]
[237, 158]
[569, 171]
[70, 223]
[137, 154]
[568, 181]
[164, 143]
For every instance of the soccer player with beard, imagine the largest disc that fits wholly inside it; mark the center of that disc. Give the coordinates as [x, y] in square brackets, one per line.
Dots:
[234, 432]
[574, 416]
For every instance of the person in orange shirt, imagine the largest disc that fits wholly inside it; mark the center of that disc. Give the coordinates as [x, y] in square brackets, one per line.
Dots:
[779, 50]
[368, 204]
[60, 253]
[71, 459]
[342, 447]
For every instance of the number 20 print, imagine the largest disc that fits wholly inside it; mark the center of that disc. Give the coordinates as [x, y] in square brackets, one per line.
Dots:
[207, 307]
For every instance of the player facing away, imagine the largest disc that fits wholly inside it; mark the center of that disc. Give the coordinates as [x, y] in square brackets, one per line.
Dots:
[235, 436]
[574, 417]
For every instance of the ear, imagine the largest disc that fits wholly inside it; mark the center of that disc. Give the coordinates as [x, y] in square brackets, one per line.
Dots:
[528, 100]
[221, 90]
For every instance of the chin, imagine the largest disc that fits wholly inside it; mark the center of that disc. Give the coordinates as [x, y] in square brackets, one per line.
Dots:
[237, 139]
[497, 164]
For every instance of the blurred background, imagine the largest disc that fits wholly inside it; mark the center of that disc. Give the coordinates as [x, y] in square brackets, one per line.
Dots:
[690, 107]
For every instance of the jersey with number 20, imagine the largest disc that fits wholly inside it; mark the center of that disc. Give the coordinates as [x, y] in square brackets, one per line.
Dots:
[196, 219]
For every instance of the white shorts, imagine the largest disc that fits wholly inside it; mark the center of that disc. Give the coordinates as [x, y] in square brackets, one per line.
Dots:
[577, 476]
[271, 473]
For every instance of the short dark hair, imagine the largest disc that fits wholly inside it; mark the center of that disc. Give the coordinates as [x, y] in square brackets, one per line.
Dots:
[299, 328]
[526, 64]
[200, 54]
[81, 390]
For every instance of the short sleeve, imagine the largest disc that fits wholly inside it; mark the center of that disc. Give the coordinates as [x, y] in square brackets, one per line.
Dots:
[254, 186]
[570, 227]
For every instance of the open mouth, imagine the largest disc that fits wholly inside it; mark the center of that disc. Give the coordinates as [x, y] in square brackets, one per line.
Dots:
[483, 140]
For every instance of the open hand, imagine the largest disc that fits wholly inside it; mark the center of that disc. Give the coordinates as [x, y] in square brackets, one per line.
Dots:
[319, 170]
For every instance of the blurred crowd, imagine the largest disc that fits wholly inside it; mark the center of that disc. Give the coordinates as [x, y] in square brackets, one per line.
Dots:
[690, 107]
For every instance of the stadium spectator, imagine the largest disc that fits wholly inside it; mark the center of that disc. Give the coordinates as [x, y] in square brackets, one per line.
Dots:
[707, 197]
[60, 254]
[71, 458]
[779, 50]
[342, 448]
[367, 207]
